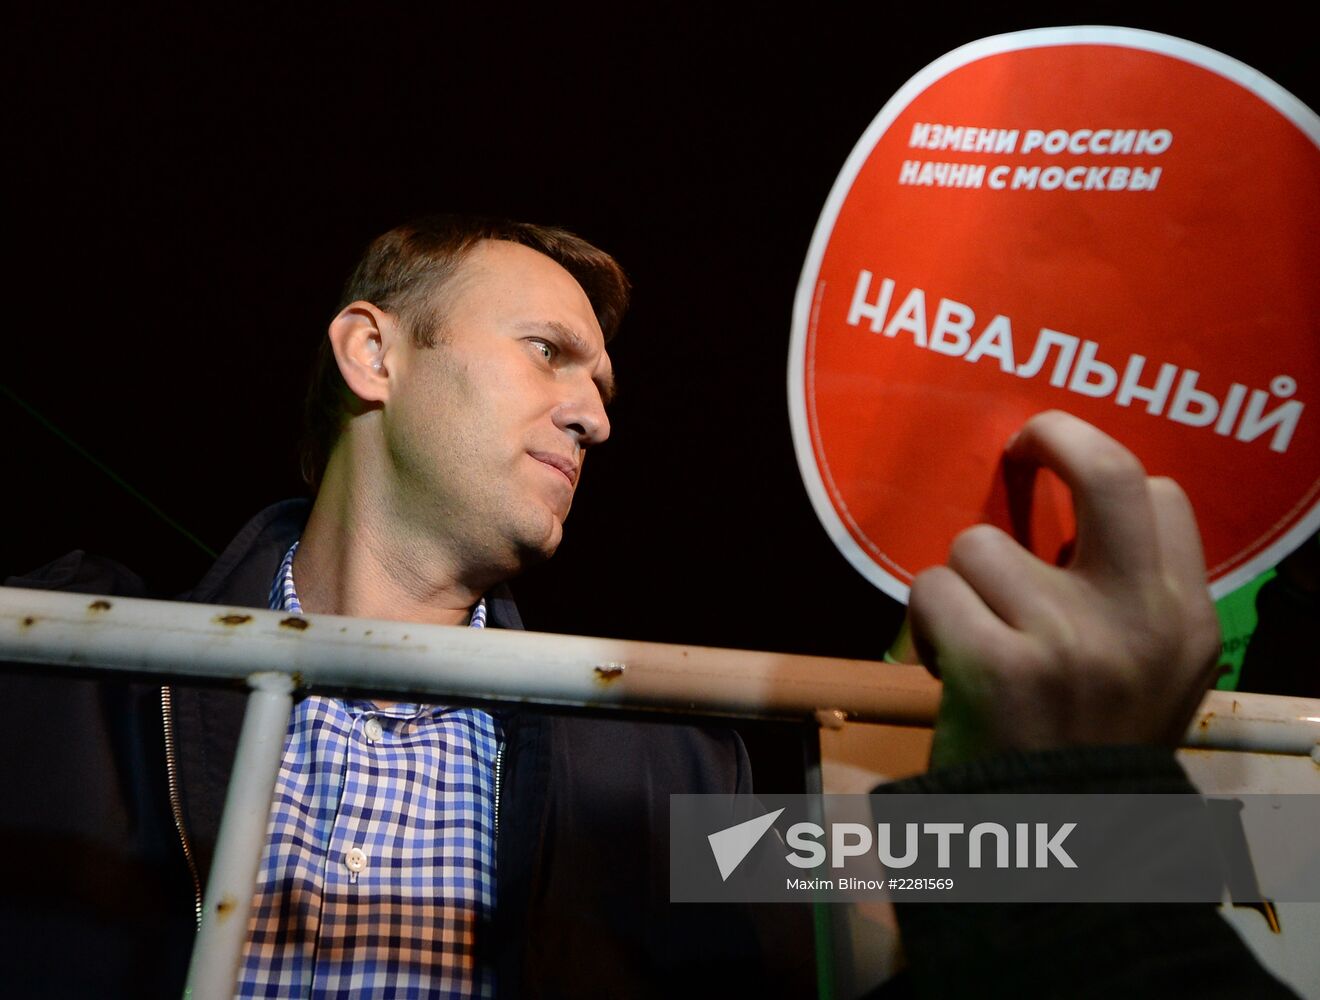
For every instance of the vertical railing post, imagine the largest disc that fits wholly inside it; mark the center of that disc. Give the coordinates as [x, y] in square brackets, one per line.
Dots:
[229, 890]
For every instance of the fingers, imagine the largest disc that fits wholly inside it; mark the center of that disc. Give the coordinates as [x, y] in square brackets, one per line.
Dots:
[1011, 582]
[1184, 566]
[1175, 526]
[1116, 531]
[1114, 648]
[951, 624]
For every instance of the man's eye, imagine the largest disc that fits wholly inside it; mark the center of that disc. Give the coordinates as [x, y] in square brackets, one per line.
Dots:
[545, 348]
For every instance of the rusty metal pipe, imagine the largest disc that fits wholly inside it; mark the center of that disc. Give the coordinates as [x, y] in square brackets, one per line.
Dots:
[379, 657]
[330, 652]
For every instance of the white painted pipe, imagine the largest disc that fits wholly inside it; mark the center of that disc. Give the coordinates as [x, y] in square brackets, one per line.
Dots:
[174, 639]
[233, 879]
[1259, 723]
[328, 652]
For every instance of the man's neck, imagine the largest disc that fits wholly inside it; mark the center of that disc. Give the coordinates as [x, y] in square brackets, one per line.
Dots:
[356, 559]
[346, 564]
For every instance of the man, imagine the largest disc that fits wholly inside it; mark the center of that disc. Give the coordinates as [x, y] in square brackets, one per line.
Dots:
[424, 850]
[413, 849]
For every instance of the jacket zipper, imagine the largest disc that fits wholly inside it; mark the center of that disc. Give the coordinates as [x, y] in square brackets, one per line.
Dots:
[176, 805]
[499, 761]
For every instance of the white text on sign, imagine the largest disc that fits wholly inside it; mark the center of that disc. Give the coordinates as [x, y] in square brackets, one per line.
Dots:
[1033, 177]
[1098, 142]
[1169, 392]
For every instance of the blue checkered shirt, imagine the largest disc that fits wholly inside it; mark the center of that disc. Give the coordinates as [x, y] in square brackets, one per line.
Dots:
[379, 865]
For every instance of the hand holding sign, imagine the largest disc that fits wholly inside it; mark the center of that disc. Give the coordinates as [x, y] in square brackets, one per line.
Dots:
[1116, 647]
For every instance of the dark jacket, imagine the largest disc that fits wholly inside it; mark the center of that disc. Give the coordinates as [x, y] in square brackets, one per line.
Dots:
[1069, 950]
[99, 899]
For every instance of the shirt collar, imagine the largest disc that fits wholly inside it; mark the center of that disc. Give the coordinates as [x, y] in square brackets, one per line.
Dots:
[284, 596]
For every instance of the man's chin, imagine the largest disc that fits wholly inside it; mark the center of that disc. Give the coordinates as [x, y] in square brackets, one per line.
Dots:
[540, 546]
[529, 540]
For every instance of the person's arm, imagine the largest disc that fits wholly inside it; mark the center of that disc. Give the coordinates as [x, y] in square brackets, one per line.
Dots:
[1073, 678]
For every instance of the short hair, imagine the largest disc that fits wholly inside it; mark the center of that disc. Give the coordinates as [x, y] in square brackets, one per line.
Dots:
[406, 272]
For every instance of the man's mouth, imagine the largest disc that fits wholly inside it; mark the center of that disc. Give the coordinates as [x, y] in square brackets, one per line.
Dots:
[559, 463]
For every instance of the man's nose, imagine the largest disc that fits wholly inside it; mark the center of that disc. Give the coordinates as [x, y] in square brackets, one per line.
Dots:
[583, 417]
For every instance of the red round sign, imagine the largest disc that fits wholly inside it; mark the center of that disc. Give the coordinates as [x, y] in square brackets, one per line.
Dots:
[1112, 222]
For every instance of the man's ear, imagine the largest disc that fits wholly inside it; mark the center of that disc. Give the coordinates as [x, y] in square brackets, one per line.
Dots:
[361, 337]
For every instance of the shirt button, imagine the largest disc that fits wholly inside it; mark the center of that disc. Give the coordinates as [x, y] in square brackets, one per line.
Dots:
[356, 859]
[374, 730]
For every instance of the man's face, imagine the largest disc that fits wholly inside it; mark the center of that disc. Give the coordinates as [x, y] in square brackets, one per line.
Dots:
[487, 430]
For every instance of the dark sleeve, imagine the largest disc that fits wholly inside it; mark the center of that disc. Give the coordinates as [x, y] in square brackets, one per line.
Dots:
[1070, 950]
[80, 573]
[99, 903]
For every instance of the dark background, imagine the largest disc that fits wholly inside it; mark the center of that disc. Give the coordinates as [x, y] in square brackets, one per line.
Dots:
[185, 193]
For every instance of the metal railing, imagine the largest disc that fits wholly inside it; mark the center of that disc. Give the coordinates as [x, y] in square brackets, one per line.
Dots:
[178, 641]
